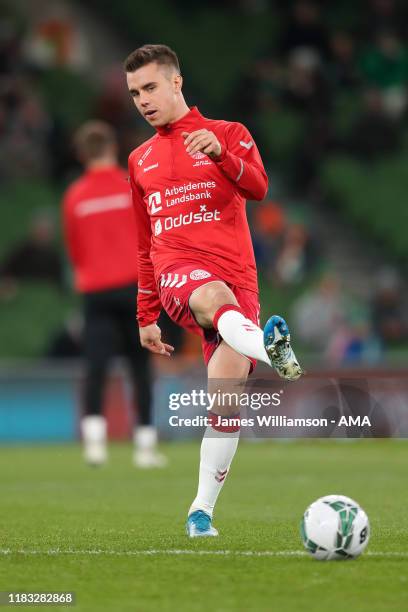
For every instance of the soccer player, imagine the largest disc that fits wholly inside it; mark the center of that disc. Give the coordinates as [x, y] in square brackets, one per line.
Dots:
[99, 228]
[189, 183]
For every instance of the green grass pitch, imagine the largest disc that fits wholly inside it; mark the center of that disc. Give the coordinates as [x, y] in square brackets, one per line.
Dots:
[99, 523]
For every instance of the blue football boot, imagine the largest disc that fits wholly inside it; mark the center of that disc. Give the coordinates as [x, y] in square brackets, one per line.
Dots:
[278, 349]
[199, 525]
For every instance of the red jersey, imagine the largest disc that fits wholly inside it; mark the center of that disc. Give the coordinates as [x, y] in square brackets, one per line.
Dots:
[191, 208]
[100, 230]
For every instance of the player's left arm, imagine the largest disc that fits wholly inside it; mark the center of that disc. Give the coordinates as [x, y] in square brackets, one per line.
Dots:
[69, 224]
[238, 158]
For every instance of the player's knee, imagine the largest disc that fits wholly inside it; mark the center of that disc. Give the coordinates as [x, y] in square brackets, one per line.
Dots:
[218, 296]
[206, 300]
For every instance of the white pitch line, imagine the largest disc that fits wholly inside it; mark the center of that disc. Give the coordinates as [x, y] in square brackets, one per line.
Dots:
[177, 552]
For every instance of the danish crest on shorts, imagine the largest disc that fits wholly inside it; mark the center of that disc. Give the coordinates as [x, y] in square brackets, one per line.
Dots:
[199, 274]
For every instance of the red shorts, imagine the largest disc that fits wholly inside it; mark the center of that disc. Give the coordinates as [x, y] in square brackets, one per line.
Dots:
[175, 288]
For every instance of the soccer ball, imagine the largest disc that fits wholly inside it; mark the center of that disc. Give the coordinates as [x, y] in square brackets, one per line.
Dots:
[335, 527]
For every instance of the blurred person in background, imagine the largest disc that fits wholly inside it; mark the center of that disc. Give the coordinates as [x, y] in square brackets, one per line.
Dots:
[354, 341]
[318, 313]
[296, 255]
[100, 236]
[343, 70]
[374, 134]
[35, 258]
[363, 345]
[307, 92]
[305, 29]
[387, 309]
[384, 65]
[25, 128]
[268, 224]
[56, 39]
[307, 88]
[380, 14]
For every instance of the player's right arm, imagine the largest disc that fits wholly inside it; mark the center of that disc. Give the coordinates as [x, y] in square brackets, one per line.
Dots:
[148, 300]
[150, 338]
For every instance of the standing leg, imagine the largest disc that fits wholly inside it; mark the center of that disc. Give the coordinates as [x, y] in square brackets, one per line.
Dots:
[227, 371]
[215, 306]
[99, 342]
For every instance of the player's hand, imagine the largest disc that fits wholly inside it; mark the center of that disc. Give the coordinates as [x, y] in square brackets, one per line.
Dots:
[204, 141]
[150, 338]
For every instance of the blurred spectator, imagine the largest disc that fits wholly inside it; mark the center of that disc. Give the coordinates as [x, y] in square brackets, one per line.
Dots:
[387, 310]
[385, 65]
[308, 93]
[343, 70]
[269, 219]
[374, 134]
[318, 313]
[9, 46]
[245, 97]
[305, 29]
[296, 255]
[380, 14]
[24, 130]
[363, 346]
[268, 223]
[36, 258]
[55, 39]
[307, 89]
[353, 342]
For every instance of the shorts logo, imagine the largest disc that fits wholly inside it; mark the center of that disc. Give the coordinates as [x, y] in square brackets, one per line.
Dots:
[154, 202]
[199, 274]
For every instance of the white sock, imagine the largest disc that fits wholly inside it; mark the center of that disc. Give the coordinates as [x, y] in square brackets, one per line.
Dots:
[94, 437]
[93, 429]
[217, 451]
[242, 335]
[145, 437]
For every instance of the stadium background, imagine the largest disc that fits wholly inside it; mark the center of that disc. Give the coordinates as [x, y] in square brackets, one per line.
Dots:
[323, 88]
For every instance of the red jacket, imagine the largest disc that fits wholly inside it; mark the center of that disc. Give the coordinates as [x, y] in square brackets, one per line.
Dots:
[100, 230]
[192, 209]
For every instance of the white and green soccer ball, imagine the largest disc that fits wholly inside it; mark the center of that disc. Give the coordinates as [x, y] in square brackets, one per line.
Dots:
[335, 527]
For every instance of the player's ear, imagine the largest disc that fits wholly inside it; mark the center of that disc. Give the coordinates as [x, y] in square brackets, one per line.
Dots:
[178, 83]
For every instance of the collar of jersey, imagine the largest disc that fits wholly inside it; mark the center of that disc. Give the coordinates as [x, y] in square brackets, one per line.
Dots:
[186, 123]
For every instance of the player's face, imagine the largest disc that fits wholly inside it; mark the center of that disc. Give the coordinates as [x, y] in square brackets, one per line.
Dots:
[155, 91]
